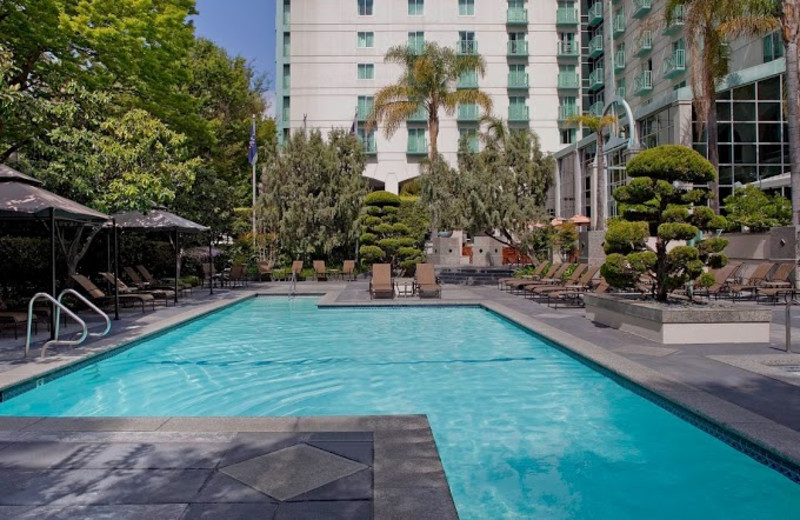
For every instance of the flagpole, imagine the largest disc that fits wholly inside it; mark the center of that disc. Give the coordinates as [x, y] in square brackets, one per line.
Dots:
[254, 196]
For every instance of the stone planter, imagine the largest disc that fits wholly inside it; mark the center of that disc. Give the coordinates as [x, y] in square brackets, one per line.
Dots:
[680, 324]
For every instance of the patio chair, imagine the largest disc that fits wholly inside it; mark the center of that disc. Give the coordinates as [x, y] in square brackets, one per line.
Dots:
[381, 285]
[211, 275]
[574, 297]
[123, 288]
[557, 278]
[502, 283]
[349, 270]
[15, 319]
[428, 285]
[779, 284]
[571, 284]
[320, 273]
[237, 275]
[101, 298]
[183, 287]
[750, 284]
[516, 284]
[265, 269]
[296, 270]
[722, 278]
[134, 277]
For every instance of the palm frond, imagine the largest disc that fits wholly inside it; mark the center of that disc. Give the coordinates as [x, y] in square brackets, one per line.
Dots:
[452, 99]
[749, 26]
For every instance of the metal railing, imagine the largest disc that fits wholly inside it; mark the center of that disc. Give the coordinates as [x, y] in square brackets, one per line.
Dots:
[59, 307]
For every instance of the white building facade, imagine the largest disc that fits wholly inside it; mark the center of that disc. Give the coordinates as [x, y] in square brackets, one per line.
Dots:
[330, 64]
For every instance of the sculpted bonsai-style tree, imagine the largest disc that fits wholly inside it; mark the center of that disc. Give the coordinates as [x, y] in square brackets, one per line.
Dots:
[665, 198]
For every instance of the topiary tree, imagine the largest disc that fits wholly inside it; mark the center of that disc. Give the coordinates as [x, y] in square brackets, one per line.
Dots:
[385, 235]
[663, 198]
[750, 207]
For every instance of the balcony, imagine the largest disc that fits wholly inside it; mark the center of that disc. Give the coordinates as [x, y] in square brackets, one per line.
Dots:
[619, 61]
[416, 48]
[417, 147]
[675, 64]
[644, 44]
[419, 116]
[518, 49]
[286, 116]
[468, 113]
[597, 78]
[597, 109]
[518, 113]
[621, 91]
[567, 16]
[568, 49]
[517, 16]
[643, 83]
[596, 46]
[567, 111]
[568, 80]
[595, 13]
[517, 80]
[370, 146]
[467, 47]
[641, 7]
[364, 110]
[678, 19]
[619, 24]
[468, 80]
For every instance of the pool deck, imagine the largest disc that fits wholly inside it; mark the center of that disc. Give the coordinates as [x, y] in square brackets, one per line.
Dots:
[739, 387]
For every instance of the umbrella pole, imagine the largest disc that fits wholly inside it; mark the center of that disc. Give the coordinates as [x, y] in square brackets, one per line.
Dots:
[177, 264]
[53, 271]
[116, 269]
[210, 264]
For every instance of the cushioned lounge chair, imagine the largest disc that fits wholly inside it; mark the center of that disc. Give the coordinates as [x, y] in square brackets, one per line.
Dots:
[349, 270]
[296, 270]
[502, 283]
[516, 284]
[779, 285]
[102, 299]
[381, 285]
[582, 283]
[427, 284]
[162, 284]
[723, 277]
[556, 278]
[237, 275]
[570, 297]
[158, 294]
[748, 286]
[320, 272]
[265, 269]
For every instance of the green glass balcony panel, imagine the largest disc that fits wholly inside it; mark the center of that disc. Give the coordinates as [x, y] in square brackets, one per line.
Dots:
[621, 92]
[568, 49]
[517, 16]
[467, 47]
[597, 78]
[567, 111]
[369, 144]
[567, 16]
[518, 113]
[417, 144]
[568, 80]
[468, 113]
[597, 109]
[468, 80]
[678, 19]
[619, 61]
[595, 13]
[518, 48]
[675, 64]
[420, 116]
[619, 25]
[596, 46]
[416, 47]
[641, 7]
[286, 116]
[518, 80]
[644, 43]
[643, 83]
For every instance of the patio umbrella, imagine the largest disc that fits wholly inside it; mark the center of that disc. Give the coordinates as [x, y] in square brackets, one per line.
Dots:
[580, 220]
[160, 219]
[556, 222]
[23, 198]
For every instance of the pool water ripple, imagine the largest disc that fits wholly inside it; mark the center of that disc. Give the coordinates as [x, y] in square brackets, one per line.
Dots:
[524, 430]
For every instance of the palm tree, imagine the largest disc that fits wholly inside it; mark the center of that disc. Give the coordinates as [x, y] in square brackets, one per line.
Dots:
[598, 125]
[428, 80]
[709, 55]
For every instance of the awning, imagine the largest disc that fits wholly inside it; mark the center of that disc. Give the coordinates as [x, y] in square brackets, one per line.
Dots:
[156, 220]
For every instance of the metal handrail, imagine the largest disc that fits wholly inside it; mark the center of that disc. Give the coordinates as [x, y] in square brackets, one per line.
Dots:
[89, 304]
[54, 341]
[293, 285]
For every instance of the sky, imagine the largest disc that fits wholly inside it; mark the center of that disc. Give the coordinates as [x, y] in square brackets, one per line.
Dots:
[243, 27]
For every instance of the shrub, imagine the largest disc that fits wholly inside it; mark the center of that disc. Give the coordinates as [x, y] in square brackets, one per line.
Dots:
[383, 229]
[367, 239]
[750, 207]
[408, 252]
[371, 254]
[400, 229]
[371, 221]
[373, 210]
[381, 199]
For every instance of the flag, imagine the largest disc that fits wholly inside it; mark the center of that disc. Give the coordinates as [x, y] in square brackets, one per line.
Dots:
[354, 126]
[252, 151]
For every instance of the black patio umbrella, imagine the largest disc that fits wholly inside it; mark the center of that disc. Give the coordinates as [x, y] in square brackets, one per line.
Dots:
[160, 219]
[23, 198]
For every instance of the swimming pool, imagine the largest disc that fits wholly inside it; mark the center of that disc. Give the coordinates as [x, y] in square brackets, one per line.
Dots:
[524, 430]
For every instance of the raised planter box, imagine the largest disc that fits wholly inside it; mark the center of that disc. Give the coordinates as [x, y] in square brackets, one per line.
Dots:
[716, 323]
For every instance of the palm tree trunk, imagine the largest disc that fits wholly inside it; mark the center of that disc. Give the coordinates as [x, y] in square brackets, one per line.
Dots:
[711, 144]
[790, 25]
[433, 127]
[602, 190]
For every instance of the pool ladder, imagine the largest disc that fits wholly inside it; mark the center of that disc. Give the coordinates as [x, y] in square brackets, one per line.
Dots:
[59, 307]
[293, 285]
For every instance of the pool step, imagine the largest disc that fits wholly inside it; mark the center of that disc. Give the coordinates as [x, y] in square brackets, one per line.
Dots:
[472, 275]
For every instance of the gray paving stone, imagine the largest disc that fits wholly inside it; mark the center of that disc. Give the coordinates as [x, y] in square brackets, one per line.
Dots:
[354, 487]
[123, 512]
[340, 510]
[409, 473]
[230, 424]
[41, 455]
[416, 503]
[291, 471]
[157, 456]
[230, 511]
[357, 451]
[249, 445]
[221, 488]
[16, 423]
[116, 424]
[341, 436]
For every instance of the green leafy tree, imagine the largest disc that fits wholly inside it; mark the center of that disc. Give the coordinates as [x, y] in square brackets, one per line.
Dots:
[750, 207]
[566, 238]
[661, 199]
[312, 194]
[386, 235]
[428, 81]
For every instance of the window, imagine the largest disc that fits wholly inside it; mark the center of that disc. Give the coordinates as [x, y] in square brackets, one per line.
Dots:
[366, 71]
[466, 7]
[364, 107]
[366, 39]
[773, 47]
[467, 43]
[287, 12]
[416, 41]
[287, 81]
[470, 139]
[365, 7]
[416, 140]
[568, 136]
[287, 105]
[287, 45]
[416, 7]
[367, 139]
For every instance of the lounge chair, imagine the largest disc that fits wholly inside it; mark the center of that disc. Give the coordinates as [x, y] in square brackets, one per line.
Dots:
[122, 287]
[535, 275]
[427, 284]
[15, 319]
[381, 285]
[779, 285]
[211, 275]
[183, 287]
[349, 270]
[265, 269]
[237, 275]
[135, 277]
[101, 298]
[571, 284]
[516, 284]
[573, 297]
[320, 273]
[556, 278]
[722, 279]
[296, 270]
[750, 284]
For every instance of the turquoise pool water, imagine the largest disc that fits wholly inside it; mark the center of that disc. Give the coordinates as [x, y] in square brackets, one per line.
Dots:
[524, 430]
